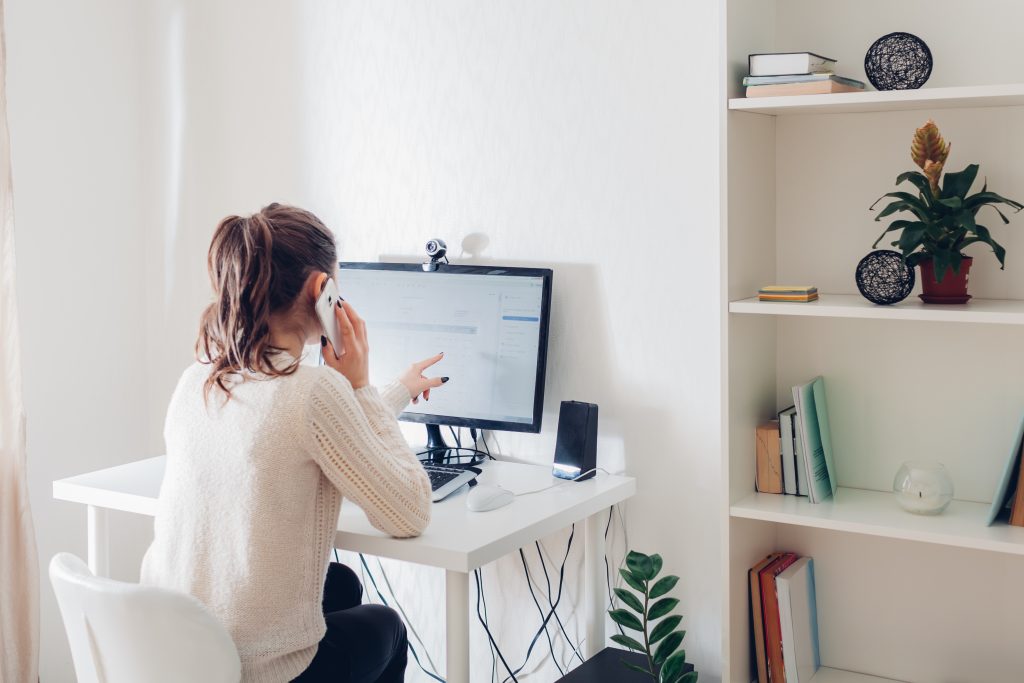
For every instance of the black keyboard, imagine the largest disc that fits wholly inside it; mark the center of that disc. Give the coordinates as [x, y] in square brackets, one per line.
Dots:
[440, 475]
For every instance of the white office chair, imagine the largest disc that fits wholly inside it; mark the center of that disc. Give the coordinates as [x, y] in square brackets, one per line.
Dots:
[127, 633]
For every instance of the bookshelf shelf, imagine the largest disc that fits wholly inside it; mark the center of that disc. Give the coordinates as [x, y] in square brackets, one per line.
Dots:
[878, 514]
[966, 97]
[993, 311]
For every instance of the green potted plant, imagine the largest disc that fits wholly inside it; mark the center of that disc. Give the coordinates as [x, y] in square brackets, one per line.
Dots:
[942, 219]
[665, 662]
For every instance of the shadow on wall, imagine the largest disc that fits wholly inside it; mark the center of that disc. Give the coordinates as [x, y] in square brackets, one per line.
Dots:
[581, 364]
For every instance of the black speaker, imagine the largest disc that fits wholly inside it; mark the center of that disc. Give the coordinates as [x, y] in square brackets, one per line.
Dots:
[576, 448]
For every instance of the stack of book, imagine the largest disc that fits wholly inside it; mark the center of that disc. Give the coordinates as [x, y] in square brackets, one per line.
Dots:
[785, 618]
[794, 453]
[795, 73]
[797, 293]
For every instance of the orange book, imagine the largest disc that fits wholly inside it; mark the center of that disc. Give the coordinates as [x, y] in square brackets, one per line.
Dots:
[755, 611]
[810, 88]
[770, 613]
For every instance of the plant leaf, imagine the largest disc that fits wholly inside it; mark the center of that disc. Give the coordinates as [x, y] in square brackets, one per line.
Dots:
[630, 600]
[669, 645]
[661, 608]
[626, 618]
[665, 627]
[982, 198]
[656, 562]
[959, 184]
[626, 641]
[688, 677]
[641, 565]
[633, 581]
[983, 235]
[673, 666]
[663, 585]
[919, 181]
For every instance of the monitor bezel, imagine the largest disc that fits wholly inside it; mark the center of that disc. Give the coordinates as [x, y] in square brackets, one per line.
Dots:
[545, 274]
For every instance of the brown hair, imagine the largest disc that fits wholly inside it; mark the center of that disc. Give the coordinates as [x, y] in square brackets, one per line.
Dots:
[258, 266]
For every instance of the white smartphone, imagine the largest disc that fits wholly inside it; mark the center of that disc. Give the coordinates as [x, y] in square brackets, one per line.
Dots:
[325, 305]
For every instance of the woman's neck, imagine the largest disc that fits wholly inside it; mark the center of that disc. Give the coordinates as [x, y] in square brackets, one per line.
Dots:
[286, 335]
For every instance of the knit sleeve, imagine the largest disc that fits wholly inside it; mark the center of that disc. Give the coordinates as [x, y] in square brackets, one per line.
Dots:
[395, 396]
[355, 439]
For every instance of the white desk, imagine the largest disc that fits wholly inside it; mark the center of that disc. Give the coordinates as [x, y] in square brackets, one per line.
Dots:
[457, 540]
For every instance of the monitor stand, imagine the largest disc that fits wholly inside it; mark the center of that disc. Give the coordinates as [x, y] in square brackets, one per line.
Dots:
[436, 445]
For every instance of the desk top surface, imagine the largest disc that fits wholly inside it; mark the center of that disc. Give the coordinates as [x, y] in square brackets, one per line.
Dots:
[456, 539]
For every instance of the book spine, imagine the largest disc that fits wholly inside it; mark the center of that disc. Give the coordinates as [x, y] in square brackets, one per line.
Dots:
[758, 621]
[782, 587]
[801, 462]
[772, 624]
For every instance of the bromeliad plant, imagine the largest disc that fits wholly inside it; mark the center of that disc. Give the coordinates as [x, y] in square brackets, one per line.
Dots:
[944, 216]
[664, 664]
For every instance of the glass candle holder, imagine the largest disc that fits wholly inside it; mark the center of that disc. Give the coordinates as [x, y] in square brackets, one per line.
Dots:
[923, 488]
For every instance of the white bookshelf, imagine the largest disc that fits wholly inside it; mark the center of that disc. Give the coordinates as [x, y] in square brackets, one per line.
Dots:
[925, 99]
[993, 311]
[799, 174]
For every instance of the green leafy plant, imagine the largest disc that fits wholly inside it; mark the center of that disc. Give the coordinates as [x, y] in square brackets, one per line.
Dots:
[944, 215]
[666, 662]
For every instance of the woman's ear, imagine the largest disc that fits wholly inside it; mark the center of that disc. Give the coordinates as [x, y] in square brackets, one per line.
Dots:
[315, 284]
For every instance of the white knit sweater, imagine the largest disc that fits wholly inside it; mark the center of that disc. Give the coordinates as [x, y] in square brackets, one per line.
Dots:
[250, 500]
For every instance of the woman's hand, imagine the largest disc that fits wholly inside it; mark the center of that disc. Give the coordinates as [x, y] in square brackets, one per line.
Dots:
[416, 383]
[354, 362]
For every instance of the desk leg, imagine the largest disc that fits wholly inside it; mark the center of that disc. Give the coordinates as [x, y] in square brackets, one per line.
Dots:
[98, 543]
[594, 584]
[457, 626]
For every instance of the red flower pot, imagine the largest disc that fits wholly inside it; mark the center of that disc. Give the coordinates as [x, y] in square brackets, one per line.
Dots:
[952, 289]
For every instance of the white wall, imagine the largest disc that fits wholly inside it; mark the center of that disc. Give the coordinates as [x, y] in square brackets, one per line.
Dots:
[577, 135]
[73, 86]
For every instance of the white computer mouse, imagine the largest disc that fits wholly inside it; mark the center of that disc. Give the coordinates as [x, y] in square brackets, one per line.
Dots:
[484, 497]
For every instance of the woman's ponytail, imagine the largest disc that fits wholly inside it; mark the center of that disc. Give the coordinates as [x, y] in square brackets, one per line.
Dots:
[257, 266]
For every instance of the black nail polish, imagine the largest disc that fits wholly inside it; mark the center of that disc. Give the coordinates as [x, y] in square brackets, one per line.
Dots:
[339, 302]
[323, 340]
[445, 379]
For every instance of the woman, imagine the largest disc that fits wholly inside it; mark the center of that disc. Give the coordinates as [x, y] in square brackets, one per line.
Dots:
[261, 450]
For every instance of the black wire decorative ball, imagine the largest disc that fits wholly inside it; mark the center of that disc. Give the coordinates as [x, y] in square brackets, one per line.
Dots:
[884, 278]
[898, 61]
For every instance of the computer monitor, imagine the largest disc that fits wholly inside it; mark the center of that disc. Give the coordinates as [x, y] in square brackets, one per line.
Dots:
[490, 322]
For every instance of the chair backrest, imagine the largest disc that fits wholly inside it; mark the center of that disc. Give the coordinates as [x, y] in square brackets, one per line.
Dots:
[126, 633]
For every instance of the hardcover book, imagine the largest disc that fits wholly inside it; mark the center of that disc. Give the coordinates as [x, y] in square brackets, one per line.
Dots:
[798, 617]
[815, 439]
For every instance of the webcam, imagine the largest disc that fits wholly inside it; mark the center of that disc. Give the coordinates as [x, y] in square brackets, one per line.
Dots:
[436, 250]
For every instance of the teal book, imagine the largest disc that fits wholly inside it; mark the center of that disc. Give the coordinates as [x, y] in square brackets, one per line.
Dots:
[815, 439]
[1007, 483]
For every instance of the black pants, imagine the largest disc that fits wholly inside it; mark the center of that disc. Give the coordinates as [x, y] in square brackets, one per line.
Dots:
[363, 643]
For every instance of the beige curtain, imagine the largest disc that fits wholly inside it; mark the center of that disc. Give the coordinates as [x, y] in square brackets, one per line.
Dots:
[19, 571]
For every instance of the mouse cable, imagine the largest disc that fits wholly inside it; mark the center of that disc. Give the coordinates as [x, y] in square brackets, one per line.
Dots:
[408, 621]
[561, 579]
[385, 602]
[483, 622]
[529, 584]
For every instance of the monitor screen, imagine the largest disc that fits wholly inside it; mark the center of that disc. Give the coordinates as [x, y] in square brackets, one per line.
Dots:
[490, 322]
